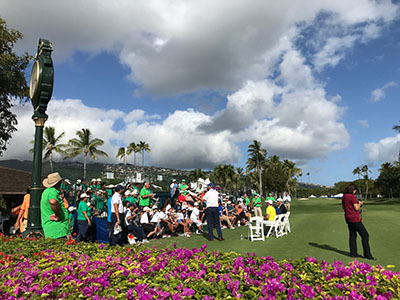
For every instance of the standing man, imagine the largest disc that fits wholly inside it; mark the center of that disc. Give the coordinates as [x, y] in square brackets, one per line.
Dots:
[145, 195]
[256, 203]
[174, 192]
[117, 216]
[55, 220]
[212, 212]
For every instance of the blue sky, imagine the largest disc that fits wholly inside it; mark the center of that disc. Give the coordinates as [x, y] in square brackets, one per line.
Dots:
[316, 83]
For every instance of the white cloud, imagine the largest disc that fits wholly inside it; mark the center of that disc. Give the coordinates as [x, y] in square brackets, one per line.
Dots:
[385, 150]
[363, 123]
[185, 46]
[379, 93]
[174, 142]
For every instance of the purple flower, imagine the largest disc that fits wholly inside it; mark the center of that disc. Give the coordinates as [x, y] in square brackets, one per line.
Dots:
[129, 294]
[101, 246]
[307, 291]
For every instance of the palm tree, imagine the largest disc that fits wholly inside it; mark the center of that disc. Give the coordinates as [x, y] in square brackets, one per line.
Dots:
[365, 170]
[224, 175]
[194, 175]
[86, 144]
[122, 154]
[51, 143]
[256, 160]
[143, 147]
[133, 148]
[291, 172]
[357, 171]
[397, 128]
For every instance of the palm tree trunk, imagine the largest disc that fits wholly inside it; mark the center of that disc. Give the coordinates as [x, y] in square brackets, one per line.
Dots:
[84, 166]
[51, 161]
[260, 180]
[134, 159]
[143, 158]
[366, 192]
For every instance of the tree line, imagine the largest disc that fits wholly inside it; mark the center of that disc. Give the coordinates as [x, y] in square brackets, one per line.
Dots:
[84, 144]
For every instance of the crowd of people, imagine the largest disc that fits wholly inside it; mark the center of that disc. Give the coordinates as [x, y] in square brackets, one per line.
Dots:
[135, 214]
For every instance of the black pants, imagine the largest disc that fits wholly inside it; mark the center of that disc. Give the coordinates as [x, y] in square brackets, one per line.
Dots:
[116, 239]
[137, 232]
[362, 231]
[212, 214]
[83, 226]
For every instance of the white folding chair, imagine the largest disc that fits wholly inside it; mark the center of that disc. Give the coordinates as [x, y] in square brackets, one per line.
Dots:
[273, 226]
[256, 229]
[286, 225]
[280, 225]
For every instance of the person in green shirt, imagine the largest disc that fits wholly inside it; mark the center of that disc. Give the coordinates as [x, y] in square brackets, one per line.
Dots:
[83, 217]
[71, 211]
[146, 195]
[270, 197]
[54, 216]
[247, 201]
[183, 187]
[257, 205]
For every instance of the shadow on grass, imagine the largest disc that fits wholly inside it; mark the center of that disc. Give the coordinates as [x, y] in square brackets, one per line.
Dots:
[329, 248]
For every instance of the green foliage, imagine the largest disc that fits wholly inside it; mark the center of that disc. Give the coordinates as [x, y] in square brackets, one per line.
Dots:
[12, 81]
[388, 181]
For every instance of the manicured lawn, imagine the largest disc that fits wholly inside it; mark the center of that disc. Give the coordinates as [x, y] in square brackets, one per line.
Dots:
[318, 230]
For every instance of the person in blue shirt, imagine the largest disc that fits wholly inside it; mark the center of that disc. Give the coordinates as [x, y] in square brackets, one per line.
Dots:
[109, 227]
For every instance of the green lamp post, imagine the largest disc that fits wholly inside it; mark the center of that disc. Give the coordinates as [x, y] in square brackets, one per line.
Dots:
[41, 89]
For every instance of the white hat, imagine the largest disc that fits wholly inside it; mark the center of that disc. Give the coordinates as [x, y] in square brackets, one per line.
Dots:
[269, 201]
[78, 181]
[100, 191]
[92, 180]
[84, 195]
[154, 207]
[146, 208]
[127, 193]
[52, 179]
[196, 204]
[135, 192]
[111, 186]
[173, 180]
[229, 202]
[184, 206]
[67, 181]
[71, 209]
[98, 179]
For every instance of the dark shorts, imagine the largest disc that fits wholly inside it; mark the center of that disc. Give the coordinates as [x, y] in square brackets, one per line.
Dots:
[109, 227]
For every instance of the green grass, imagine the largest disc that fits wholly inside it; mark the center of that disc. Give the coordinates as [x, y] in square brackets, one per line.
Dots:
[318, 230]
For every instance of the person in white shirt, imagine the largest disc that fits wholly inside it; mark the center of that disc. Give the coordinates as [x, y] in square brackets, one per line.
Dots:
[286, 200]
[117, 216]
[149, 228]
[212, 212]
[131, 224]
[195, 218]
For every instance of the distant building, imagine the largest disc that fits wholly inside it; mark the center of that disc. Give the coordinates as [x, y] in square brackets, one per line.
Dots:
[13, 185]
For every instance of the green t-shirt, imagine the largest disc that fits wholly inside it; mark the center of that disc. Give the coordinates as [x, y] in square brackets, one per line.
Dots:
[64, 187]
[131, 199]
[183, 186]
[257, 201]
[270, 198]
[247, 201]
[81, 208]
[99, 202]
[144, 201]
[71, 217]
[53, 229]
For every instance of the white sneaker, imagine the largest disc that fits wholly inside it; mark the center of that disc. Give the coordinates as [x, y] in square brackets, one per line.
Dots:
[232, 227]
[238, 225]
[145, 241]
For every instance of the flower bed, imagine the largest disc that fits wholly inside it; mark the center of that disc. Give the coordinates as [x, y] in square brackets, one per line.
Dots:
[53, 269]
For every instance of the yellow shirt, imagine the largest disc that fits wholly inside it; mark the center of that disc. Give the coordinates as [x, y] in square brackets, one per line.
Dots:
[271, 212]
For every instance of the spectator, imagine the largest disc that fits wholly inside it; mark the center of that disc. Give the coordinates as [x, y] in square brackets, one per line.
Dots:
[270, 211]
[195, 218]
[256, 203]
[224, 215]
[83, 218]
[146, 195]
[280, 207]
[183, 187]
[22, 219]
[270, 198]
[150, 229]
[212, 214]
[131, 221]
[117, 217]
[54, 216]
[286, 201]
